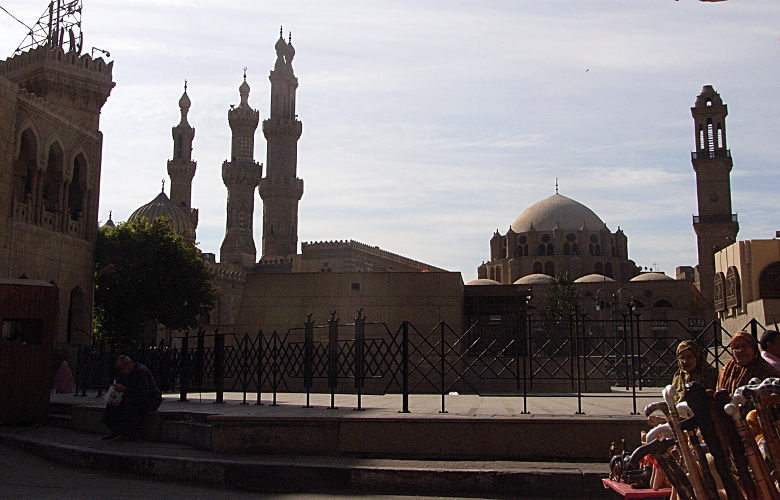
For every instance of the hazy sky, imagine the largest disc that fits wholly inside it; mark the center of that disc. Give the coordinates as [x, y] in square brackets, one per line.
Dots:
[427, 125]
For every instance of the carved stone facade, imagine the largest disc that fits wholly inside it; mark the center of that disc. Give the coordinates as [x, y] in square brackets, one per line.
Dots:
[50, 160]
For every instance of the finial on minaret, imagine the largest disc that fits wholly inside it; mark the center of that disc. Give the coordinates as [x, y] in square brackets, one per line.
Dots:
[110, 213]
[163, 185]
[281, 33]
[289, 38]
[244, 73]
[556, 185]
[185, 85]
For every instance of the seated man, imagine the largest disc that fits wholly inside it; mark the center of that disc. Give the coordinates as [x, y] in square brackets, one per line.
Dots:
[770, 347]
[139, 394]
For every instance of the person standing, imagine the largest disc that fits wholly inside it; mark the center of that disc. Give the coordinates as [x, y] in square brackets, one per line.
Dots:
[140, 394]
[770, 347]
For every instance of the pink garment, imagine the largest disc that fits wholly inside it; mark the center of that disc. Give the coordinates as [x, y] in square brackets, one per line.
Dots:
[771, 359]
[63, 381]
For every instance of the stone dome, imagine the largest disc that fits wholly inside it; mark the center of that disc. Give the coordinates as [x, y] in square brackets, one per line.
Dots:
[162, 206]
[534, 279]
[652, 277]
[567, 214]
[482, 281]
[593, 278]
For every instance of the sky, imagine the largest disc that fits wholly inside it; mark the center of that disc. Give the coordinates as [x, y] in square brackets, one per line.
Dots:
[428, 125]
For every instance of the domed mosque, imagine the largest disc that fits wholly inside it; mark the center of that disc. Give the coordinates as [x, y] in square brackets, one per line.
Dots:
[558, 234]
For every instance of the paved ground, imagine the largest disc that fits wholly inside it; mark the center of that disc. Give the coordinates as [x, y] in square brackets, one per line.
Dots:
[282, 477]
[618, 403]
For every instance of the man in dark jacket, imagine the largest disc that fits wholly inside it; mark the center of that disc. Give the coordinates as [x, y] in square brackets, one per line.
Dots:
[139, 395]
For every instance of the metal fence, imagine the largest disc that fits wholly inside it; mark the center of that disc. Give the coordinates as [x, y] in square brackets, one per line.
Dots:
[577, 357]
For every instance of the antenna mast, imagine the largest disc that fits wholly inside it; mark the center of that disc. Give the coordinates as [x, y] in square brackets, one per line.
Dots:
[61, 18]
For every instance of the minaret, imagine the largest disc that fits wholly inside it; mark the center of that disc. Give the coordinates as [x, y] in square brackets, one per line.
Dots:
[181, 168]
[281, 189]
[716, 227]
[241, 175]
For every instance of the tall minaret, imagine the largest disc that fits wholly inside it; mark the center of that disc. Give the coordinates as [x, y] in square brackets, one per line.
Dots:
[181, 168]
[281, 189]
[241, 175]
[716, 227]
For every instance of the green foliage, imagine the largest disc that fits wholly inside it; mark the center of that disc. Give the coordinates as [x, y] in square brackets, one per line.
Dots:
[562, 299]
[146, 272]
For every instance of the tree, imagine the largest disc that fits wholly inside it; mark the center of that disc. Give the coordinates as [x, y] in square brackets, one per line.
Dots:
[562, 301]
[146, 272]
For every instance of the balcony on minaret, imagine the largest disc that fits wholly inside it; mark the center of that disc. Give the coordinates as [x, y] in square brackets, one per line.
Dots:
[705, 155]
[715, 219]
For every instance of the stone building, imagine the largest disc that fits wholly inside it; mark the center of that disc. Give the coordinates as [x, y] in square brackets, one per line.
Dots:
[50, 161]
[747, 284]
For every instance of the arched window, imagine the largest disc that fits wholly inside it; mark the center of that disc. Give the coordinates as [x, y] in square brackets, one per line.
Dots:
[537, 268]
[720, 137]
[638, 304]
[498, 274]
[608, 270]
[78, 188]
[519, 251]
[710, 138]
[541, 248]
[77, 319]
[769, 281]
[663, 303]
[549, 269]
[599, 268]
[493, 273]
[575, 249]
[591, 249]
[566, 249]
[546, 238]
[597, 249]
[525, 250]
[26, 169]
[702, 146]
[550, 249]
[53, 179]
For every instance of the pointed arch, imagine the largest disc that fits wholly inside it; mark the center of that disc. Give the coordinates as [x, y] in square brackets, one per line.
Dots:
[77, 329]
[51, 197]
[25, 171]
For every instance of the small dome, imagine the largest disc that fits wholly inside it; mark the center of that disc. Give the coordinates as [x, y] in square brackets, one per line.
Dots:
[593, 278]
[534, 279]
[652, 277]
[162, 206]
[483, 281]
[567, 214]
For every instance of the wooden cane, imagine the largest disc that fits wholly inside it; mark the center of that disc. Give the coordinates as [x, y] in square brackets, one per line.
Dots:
[689, 460]
[771, 440]
[733, 449]
[700, 403]
[659, 448]
[764, 484]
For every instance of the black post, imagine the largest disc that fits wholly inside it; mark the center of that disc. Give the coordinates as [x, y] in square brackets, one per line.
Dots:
[275, 376]
[246, 377]
[526, 365]
[308, 357]
[219, 360]
[633, 360]
[442, 366]
[405, 367]
[333, 358]
[360, 349]
[200, 356]
[260, 365]
[576, 347]
[184, 359]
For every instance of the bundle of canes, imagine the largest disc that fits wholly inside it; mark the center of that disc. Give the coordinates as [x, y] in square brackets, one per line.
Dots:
[700, 404]
[690, 426]
[694, 471]
[764, 483]
[660, 449]
[727, 431]
[758, 394]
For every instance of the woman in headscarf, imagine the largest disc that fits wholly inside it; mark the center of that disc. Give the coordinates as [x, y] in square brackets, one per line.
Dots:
[693, 367]
[746, 363]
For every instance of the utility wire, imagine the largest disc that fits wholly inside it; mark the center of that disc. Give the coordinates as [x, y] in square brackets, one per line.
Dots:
[4, 10]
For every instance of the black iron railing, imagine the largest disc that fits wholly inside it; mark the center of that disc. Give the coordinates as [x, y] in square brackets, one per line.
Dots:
[579, 356]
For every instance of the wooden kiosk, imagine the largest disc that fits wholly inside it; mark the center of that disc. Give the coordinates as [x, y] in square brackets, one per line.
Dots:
[28, 309]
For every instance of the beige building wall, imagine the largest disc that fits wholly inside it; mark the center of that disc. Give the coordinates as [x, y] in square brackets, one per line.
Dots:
[750, 258]
[281, 301]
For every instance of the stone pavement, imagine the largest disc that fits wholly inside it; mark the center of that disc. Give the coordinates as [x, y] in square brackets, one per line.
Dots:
[360, 472]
